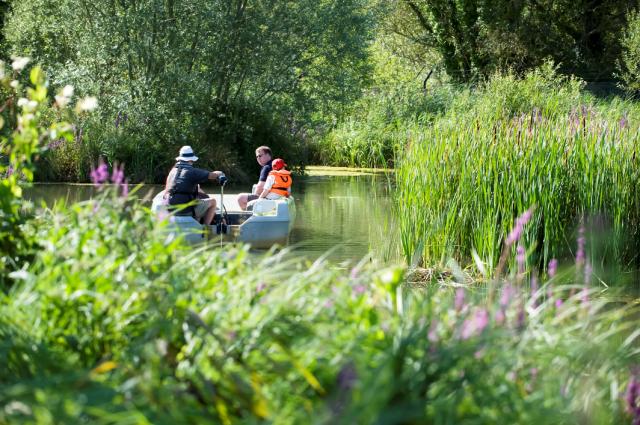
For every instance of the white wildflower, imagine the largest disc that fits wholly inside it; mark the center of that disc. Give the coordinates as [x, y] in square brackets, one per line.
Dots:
[14, 84]
[61, 101]
[67, 91]
[87, 104]
[22, 101]
[15, 407]
[24, 120]
[19, 63]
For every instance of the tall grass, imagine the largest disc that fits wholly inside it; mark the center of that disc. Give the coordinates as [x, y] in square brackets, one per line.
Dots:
[108, 324]
[540, 141]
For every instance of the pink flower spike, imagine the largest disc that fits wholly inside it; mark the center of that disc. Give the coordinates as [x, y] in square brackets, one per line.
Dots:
[459, 300]
[520, 258]
[117, 177]
[588, 271]
[354, 273]
[476, 324]
[507, 293]
[125, 189]
[553, 268]
[100, 174]
[584, 296]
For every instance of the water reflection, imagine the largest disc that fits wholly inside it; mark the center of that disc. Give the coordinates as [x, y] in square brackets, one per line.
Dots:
[345, 217]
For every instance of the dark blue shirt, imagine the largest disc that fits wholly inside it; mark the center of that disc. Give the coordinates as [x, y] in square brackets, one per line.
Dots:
[185, 183]
[264, 173]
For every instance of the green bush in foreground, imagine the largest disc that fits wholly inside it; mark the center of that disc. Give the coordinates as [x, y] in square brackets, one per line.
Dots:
[109, 324]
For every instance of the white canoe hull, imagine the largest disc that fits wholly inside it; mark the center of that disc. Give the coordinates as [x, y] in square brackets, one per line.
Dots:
[269, 223]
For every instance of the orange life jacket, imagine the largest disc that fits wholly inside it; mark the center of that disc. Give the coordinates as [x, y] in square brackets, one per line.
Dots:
[283, 182]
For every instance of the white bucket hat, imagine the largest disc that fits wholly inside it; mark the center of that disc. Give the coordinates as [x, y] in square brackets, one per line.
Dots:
[186, 154]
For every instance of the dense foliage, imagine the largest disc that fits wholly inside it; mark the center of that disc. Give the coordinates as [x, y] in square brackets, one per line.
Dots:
[110, 324]
[476, 38]
[24, 129]
[110, 321]
[629, 63]
[223, 76]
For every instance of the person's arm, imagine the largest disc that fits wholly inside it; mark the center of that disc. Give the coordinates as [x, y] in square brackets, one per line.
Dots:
[259, 188]
[169, 183]
[266, 187]
[215, 175]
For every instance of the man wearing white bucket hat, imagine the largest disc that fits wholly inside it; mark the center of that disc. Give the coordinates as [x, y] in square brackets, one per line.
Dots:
[183, 186]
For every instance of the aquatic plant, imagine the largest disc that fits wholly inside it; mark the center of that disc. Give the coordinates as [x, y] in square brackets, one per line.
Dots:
[515, 143]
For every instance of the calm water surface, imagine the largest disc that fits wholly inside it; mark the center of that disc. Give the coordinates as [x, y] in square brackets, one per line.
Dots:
[345, 217]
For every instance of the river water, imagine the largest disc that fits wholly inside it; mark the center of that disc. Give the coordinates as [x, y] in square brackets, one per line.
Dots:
[345, 215]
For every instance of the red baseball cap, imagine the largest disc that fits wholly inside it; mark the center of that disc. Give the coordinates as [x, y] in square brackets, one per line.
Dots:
[278, 164]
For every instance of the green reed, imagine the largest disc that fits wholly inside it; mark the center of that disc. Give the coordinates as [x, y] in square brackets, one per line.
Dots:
[513, 145]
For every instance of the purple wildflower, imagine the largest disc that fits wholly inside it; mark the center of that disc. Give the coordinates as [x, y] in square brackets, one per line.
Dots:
[10, 171]
[584, 296]
[459, 299]
[354, 273]
[624, 122]
[518, 227]
[553, 268]
[520, 258]
[588, 271]
[521, 317]
[632, 398]
[507, 293]
[261, 287]
[476, 324]
[347, 377]
[499, 316]
[328, 304]
[117, 177]
[359, 289]
[100, 174]
[125, 189]
[55, 144]
[558, 303]
[580, 256]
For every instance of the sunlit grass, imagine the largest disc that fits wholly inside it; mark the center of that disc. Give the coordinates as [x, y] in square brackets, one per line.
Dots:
[539, 142]
[110, 324]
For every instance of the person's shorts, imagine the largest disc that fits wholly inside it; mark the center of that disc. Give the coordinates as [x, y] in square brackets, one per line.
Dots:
[202, 206]
[252, 197]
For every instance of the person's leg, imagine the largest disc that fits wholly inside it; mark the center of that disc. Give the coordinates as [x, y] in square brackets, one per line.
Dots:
[242, 200]
[211, 212]
[205, 210]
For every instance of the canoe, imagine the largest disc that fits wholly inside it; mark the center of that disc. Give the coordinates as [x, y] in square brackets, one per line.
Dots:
[268, 222]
